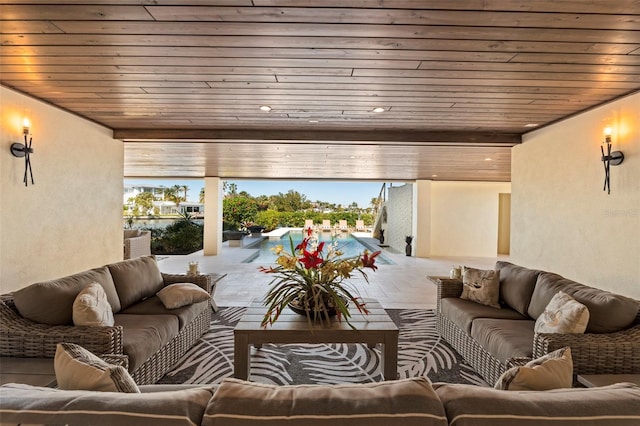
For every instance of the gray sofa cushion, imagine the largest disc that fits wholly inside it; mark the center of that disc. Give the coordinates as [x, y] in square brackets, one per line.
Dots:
[136, 279]
[24, 404]
[153, 306]
[608, 312]
[144, 335]
[516, 285]
[504, 339]
[403, 402]
[615, 405]
[51, 302]
[462, 312]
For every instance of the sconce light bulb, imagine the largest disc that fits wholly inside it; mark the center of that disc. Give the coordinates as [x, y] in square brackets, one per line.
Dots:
[607, 134]
[26, 125]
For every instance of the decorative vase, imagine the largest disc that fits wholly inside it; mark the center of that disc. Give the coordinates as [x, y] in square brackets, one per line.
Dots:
[407, 249]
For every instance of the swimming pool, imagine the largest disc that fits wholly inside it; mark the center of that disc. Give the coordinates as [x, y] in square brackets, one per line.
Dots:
[347, 244]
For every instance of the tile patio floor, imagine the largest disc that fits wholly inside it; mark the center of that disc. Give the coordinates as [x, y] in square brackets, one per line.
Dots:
[403, 285]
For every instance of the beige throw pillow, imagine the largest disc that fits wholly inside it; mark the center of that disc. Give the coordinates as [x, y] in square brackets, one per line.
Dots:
[552, 371]
[563, 314]
[78, 369]
[481, 286]
[91, 307]
[181, 294]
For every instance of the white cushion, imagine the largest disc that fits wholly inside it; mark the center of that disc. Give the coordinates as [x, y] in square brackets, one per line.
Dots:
[181, 294]
[91, 307]
[78, 369]
[563, 314]
[552, 371]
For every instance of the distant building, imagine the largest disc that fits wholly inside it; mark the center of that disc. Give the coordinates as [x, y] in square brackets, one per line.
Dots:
[130, 191]
[195, 209]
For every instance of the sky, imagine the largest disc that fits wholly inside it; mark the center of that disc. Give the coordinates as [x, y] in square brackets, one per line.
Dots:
[332, 192]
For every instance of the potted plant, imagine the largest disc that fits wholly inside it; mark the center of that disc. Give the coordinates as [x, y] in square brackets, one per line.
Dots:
[313, 281]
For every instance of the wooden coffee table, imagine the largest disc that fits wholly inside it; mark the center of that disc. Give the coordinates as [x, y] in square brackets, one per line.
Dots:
[371, 329]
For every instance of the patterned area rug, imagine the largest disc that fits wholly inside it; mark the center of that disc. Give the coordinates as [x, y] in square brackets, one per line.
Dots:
[421, 352]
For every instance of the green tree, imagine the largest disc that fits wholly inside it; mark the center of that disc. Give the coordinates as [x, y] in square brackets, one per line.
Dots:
[238, 210]
[230, 189]
[143, 203]
[292, 201]
[185, 188]
[173, 194]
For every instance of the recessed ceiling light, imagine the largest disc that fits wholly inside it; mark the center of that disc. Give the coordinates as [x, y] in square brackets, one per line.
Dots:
[353, 157]
[488, 159]
[531, 125]
[313, 121]
[287, 156]
[265, 108]
[378, 109]
[434, 175]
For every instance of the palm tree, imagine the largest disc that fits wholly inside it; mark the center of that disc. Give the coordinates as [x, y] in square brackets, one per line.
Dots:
[185, 188]
[202, 195]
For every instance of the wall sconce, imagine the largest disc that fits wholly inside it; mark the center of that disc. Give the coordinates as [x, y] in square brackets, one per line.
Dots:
[610, 159]
[24, 150]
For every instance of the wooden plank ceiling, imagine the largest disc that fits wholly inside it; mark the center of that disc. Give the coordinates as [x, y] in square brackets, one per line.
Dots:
[459, 82]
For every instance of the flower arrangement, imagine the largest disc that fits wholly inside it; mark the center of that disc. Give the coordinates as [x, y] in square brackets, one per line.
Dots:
[314, 280]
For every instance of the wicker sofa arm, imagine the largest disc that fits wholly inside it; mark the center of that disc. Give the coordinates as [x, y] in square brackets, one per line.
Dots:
[137, 246]
[447, 287]
[20, 337]
[113, 359]
[606, 353]
[202, 280]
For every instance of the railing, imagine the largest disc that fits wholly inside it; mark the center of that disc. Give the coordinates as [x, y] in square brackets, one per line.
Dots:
[382, 197]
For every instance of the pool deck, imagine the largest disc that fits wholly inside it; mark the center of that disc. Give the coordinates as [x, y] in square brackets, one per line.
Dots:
[402, 285]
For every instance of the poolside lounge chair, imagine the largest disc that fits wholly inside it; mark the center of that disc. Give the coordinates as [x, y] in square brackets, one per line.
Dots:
[326, 225]
[342, 225]
[308, 224]
[360, 226]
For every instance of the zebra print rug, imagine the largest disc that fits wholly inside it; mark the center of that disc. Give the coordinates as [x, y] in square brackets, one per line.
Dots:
[421, 352]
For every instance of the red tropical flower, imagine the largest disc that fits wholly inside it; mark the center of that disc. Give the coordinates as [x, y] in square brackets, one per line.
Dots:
[368, 261]
[311, 260]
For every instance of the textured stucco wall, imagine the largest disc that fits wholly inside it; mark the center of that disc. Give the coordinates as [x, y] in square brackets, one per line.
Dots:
[561, 219]
[399, 216]
[464, 218]
[71, 219]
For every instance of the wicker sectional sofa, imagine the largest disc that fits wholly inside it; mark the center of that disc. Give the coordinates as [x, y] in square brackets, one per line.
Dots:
[147, 337]
[494, 339]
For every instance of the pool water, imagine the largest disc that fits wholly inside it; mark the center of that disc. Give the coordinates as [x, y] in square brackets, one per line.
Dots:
[347, 244]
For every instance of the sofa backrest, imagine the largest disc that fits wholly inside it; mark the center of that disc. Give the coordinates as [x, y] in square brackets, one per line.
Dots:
[516, 285]
[51, 302]
[136, 279]
[24, 404]
[468, 405]
[608, 312]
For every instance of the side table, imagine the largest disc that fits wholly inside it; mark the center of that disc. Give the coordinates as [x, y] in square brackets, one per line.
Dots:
[215, 277]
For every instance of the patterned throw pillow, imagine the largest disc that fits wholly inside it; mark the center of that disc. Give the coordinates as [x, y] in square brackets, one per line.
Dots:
[182, 294]
[481, 286]
[91, 307]
[563, 314]
[78, 369]
[552, 371]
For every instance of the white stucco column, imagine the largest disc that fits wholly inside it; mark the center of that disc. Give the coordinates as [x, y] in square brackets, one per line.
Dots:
[212, 216]
[422, 218]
